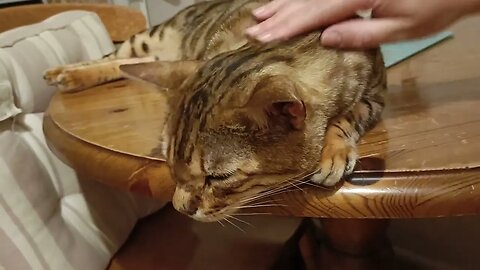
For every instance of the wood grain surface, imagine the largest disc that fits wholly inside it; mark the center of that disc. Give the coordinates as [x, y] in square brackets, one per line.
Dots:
[420, 161]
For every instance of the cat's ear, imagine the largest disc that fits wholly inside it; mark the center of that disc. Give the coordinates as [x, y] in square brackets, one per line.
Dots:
[293, 110]
[162, 74]
[277, 99]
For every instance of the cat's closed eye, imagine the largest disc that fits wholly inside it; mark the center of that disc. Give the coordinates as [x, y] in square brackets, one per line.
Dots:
[220, 177]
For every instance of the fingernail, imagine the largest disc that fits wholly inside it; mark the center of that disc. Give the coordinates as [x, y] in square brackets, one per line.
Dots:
[252, 30]
[265, 37]
[331, 38]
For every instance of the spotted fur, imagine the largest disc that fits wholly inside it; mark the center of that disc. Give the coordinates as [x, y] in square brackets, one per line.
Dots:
[245, 118]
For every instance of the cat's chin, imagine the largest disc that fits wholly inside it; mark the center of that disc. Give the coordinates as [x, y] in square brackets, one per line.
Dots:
[199, 216]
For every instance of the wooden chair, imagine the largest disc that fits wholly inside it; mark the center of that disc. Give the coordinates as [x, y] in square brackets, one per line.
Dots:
[121, 22]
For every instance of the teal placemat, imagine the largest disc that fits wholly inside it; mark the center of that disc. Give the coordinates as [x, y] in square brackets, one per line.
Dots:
[395, 53]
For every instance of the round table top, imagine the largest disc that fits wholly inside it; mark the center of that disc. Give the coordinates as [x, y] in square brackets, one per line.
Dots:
[420, 161]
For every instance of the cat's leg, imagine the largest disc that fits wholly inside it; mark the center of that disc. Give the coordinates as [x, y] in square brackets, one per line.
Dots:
[159, 43]
[339, 152]
[84, 75]
[50, 75]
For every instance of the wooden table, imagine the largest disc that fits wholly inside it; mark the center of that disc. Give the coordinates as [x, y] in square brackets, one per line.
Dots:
[422, 160]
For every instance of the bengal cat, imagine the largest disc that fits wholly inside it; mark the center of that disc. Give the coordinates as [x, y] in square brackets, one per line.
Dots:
[246, 119]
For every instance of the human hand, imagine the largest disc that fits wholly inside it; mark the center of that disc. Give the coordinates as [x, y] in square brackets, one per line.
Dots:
[393, 20]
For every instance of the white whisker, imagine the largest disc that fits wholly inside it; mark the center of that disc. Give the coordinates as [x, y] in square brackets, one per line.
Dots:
[252, 214]
[234, 225]
[281, 192]
[299, 188]
[316, 185]
[282, 187]
[264, 201]
[259, 205]
[240, 220]
[265, 194]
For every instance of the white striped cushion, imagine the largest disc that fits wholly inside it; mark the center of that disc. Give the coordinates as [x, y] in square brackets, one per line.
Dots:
[7, 103]
[25, 53]
[49, 219]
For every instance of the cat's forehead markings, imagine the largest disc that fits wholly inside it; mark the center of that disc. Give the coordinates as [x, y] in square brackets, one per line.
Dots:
[195, 165]
[192, 119]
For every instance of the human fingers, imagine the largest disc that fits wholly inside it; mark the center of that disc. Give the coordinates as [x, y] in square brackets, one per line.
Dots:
[280, 24]
[268, 10]
[296, 17]
[362, 34]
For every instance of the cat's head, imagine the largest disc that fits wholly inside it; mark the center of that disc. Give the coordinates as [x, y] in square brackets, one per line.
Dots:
[233, 133]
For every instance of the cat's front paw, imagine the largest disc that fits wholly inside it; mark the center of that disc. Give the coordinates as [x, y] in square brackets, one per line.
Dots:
[63, 78]
[338, 159]
[51, 75]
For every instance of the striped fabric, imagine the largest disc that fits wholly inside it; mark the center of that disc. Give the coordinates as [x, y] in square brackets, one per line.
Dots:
[25, 52]
[7, 104]
[49, 218]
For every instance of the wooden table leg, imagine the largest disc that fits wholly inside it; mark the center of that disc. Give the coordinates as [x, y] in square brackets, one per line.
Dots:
[350, 244]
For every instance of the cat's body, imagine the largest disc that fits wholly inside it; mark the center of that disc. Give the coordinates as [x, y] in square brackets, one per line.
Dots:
[246, 117]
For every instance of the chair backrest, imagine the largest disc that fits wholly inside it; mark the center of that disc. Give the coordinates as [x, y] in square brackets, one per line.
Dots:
[121, 22]
[27, 51]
